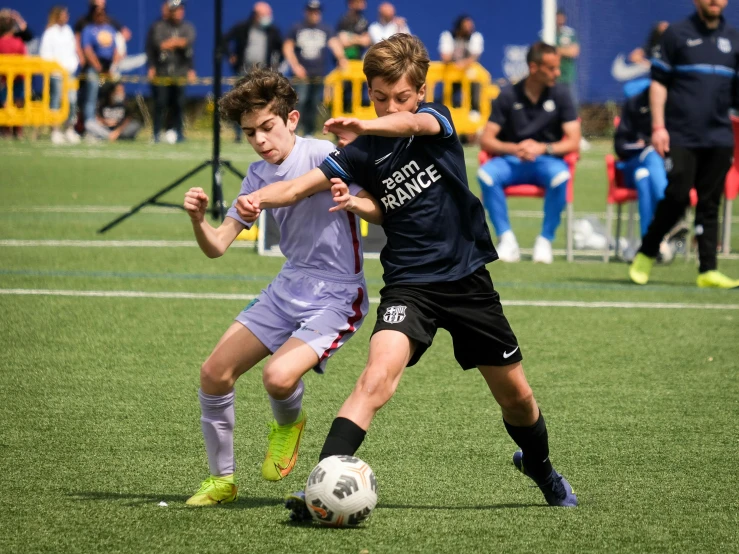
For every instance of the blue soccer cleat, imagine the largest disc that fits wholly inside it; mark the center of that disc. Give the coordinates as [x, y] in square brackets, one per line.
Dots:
[299, 511]
[557, 491]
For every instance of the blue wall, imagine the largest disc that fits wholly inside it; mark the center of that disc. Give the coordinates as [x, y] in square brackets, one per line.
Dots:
[607, 28]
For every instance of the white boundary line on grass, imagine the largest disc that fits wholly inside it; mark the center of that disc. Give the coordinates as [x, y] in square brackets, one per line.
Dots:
[374, 300]
[116, 243]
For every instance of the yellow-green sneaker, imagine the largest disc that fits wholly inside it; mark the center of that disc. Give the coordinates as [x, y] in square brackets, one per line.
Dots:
[214, 491]
[716, 280]
[640, 268]
[282, 452]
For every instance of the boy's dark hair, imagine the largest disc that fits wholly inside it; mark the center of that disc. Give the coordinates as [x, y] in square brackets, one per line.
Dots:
[401, 54]
[537, 52]
[256, 90]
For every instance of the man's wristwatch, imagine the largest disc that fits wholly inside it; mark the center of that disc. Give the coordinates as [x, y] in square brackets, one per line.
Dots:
[549, 149]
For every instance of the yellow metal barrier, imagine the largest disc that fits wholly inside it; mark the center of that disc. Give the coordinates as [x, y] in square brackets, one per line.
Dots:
[32, 112]
[441, 75]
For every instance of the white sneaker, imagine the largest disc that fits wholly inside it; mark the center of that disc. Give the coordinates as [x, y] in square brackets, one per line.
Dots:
[57, 137]
[72, 136]
[507, 248]
[543, 251]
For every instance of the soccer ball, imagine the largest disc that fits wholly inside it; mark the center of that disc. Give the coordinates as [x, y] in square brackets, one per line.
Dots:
[341, 491]
[170, 136]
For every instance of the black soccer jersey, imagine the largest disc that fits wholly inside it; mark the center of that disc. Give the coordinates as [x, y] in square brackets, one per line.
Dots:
[521, 119]
[699, 67]
[436, 228]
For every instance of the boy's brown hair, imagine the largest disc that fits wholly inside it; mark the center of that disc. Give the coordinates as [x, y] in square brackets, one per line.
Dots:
[392, 58]
[256, 90]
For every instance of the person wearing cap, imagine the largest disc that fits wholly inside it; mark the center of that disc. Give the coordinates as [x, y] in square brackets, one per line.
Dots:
[172, 64]
[387, 24]
[305, 49]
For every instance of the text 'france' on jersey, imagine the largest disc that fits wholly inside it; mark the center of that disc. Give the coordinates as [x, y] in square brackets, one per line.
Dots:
[435, 227]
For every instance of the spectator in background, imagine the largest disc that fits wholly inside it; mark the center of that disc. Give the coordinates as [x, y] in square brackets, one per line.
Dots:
[568, 48]
[463, 46]
[58, 44]
[693, 81]
[113, 121]
[387, 24]
[10, 44]
[354, 36]
[306, 49]
[98, 45]
[353, 30]
[79, 27]
[642, 166]
[533, 125]
[21, 31]
[643, 56]
[172, 63]
[256, 41]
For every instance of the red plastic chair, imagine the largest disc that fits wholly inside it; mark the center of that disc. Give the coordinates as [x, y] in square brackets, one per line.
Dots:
[619, 195]
[731, 189]
[535, 191]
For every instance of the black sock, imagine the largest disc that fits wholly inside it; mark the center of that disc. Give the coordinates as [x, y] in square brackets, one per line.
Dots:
[344, 438]
[534, 443]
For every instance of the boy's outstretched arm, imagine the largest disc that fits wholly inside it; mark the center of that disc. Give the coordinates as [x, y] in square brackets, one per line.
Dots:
[400, 124]
[212, 241]
[282, 193]
[363, 204]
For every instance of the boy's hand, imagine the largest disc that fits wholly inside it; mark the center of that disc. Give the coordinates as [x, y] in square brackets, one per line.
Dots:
[345, 128]
[248, 208]
[340, 192]
[196, 202]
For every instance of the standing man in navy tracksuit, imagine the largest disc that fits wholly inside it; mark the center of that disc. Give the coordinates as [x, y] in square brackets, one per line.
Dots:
[694, 80]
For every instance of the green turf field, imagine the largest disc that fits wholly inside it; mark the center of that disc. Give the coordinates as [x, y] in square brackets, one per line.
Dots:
[100, 419]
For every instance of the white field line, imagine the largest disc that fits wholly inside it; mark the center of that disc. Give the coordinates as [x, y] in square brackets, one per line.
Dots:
[524, 214]
[374, 300]
[115, 243]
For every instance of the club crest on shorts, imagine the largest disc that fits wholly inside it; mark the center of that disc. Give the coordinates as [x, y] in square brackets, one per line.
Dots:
[724, 44]
[394, 314]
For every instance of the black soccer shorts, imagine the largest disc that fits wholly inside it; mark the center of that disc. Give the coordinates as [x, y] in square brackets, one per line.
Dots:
[469, 309]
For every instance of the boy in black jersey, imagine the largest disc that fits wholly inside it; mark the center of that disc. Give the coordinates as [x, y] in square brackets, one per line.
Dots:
[411, 160]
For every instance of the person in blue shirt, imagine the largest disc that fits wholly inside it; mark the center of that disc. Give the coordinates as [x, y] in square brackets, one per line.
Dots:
[533, 125]
[306, 51]
[694, 83]
[642, 166]
[98, 44]
[411, 163]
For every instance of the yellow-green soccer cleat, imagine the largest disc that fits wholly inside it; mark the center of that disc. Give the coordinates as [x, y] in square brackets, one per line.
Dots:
[282, 452]
[716, 280]
[640, 268]
[214, 491]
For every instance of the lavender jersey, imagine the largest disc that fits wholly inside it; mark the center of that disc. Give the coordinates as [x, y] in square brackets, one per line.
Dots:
[311, 238]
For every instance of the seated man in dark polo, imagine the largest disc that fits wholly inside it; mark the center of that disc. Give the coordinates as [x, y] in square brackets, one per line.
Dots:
[533, 125]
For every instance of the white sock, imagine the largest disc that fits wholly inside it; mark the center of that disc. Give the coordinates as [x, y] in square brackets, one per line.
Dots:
[217, 422]
[288, 410]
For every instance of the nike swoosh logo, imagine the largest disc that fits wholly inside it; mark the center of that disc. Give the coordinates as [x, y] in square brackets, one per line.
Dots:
[507, 355]
[622, 71]
[378, 162]
[694, 42]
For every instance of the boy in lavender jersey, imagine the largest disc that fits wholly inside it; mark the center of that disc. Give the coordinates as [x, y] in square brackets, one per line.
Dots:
[315, 304]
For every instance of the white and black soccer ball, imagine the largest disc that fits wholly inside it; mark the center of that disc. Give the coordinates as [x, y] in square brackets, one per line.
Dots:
[341, 491]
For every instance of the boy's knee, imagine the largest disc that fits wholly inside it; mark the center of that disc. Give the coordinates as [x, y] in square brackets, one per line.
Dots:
[214, 376]
[519, 402]
[375, 385]
[278, 381]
